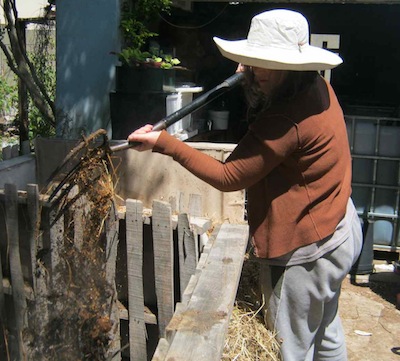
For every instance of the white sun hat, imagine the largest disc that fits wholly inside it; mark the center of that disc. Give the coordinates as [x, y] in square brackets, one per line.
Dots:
[278, 39]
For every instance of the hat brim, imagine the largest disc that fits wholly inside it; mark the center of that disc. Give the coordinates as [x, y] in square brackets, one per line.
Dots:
[309, 58]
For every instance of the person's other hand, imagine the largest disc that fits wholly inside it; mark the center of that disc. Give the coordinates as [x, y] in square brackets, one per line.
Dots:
[145, 136]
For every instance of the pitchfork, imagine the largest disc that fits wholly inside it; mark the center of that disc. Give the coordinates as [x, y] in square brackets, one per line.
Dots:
[104, 150]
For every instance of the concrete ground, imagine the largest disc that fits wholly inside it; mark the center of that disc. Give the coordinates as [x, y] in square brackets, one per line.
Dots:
[369, 316]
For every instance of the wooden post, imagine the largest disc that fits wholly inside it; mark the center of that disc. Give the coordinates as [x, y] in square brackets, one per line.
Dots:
[17, 278]
[163, 263]
[134, 245]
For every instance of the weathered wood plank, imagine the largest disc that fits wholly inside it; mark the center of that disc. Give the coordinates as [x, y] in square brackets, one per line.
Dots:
[14, 150]
[163, 263]
[195, 205]
[161, 350]
[22, 197]
[39, 289]
[202, 327]
[200, 225]
[134, 250]
[149, 317]
[33, 209]
[187, 251]
[188, 291]
[111, 227]
[6, 152]
[17, 278]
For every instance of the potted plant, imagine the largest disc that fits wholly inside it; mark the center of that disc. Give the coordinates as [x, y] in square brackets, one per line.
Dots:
[143, 67]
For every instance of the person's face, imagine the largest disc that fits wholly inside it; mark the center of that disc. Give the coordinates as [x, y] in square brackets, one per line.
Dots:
[268, 80]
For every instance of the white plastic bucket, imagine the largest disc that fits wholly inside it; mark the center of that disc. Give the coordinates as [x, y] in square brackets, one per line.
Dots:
[219, 119]
[175, 102]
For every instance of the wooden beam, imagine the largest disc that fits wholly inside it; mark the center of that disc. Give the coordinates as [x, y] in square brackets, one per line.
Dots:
[149, 317]
[201, 327]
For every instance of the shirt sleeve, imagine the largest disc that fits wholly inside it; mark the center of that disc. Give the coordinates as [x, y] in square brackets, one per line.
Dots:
[252, 159]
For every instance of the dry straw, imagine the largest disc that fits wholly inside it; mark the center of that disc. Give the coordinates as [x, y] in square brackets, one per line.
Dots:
[248, 339]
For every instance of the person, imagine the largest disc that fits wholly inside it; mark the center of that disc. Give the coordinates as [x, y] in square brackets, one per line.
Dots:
[295, 164]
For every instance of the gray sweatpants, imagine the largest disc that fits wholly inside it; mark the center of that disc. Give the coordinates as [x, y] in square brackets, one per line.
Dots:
[301, 302]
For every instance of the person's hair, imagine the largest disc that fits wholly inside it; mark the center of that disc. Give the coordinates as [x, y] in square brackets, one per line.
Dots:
[295, 83]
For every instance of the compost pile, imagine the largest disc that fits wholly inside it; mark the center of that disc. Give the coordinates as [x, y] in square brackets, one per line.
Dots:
[73, 320]
[248, 339]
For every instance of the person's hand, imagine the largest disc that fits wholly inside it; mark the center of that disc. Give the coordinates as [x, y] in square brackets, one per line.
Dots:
[145, 136]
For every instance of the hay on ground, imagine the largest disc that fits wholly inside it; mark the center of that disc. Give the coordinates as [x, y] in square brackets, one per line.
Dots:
[248, 339]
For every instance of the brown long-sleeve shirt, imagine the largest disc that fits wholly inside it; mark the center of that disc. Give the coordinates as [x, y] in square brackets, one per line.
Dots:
[295, 163]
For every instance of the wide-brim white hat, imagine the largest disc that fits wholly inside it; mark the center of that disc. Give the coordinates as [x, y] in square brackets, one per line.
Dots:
[279, 40]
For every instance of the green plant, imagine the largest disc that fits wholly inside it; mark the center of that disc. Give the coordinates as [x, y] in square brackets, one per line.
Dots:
[8, 96]
[166, 61]
[44, 63]
[137, 17]
[8, 110]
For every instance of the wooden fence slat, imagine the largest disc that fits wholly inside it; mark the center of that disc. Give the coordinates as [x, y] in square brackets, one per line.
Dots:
[33, 229]
[14, 150]
[201, 328]
[134, 250]
[6, 152]
[195, 205]
[187, 251]
[111, 227]
[39, 318]
[163, 263]
[17, 278]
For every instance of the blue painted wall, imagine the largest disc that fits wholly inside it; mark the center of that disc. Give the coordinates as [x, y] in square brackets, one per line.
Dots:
[87, 35]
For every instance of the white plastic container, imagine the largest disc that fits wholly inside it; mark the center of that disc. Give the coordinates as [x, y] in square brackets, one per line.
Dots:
[174, 102]
[219, 119]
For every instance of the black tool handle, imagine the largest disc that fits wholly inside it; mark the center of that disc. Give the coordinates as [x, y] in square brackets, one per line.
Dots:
[196, 104]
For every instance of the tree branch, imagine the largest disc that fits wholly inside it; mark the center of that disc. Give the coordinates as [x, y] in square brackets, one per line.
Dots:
[22, 66]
